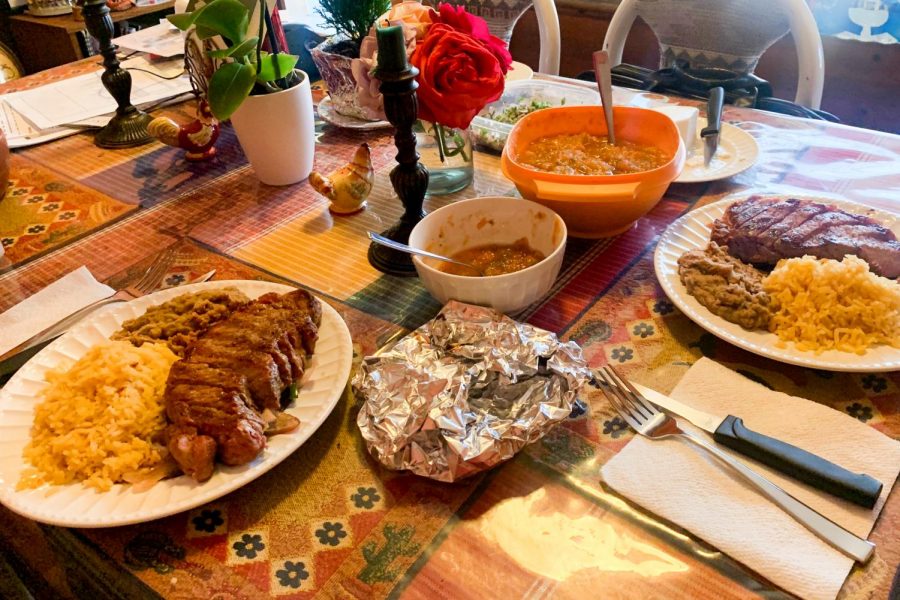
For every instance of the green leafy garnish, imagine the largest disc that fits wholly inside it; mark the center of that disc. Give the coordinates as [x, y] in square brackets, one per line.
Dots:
[513, 113]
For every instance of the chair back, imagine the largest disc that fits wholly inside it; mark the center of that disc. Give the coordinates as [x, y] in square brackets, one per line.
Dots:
[502, 15]
[727, 34]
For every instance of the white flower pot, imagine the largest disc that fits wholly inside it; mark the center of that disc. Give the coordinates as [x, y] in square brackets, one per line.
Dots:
[277, 133]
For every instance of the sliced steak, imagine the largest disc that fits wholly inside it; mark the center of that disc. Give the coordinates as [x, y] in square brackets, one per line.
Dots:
[250, 335]
[234, 371]
[225, 416]
[194, 453]
[263, 379]
[795, 220]
[740, 212]
[201, 374]
[751, 238]
[764, 230]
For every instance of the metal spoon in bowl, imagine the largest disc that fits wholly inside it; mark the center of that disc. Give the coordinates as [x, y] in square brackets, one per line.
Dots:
[603, 73]
[380, 239]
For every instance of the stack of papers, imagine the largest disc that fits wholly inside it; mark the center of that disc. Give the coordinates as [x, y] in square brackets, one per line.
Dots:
[66, 107]
[162, 40]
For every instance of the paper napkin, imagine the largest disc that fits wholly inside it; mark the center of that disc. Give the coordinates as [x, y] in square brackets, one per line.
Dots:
[681, 483]
[55, 302]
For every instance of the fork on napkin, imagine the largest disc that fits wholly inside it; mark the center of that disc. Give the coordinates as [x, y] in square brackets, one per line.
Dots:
[684, 485]
[60, 299]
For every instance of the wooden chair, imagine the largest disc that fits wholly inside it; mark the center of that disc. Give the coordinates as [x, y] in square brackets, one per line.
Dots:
[729, 34]
[501, 17]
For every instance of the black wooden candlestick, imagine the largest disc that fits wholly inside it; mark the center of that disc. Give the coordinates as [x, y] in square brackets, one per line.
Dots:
[128, 127]
[409, 177]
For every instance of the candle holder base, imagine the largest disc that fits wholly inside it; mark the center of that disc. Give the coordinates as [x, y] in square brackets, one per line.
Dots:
[390, 261]
[125, 130]
[409, 178]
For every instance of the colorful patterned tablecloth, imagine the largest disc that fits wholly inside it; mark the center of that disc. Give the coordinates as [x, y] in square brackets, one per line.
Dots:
[329, 522]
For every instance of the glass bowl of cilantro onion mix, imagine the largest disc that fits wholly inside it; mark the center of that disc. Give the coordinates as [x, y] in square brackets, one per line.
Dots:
[520, 98]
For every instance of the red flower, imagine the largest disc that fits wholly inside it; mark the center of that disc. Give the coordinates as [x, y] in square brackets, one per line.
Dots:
[458, 76]
[464, 22]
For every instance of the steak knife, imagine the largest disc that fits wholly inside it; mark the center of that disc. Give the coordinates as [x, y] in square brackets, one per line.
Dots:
[807, 467]
[710, 133]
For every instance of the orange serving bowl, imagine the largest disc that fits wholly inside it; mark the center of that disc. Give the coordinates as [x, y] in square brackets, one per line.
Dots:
[595, 206]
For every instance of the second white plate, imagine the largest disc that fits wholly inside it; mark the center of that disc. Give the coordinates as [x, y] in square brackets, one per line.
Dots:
[330, 115]
[691, 232]
[738, 151]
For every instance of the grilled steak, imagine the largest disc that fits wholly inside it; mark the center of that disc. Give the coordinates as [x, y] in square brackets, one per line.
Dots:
[764, 230]
[234, 371]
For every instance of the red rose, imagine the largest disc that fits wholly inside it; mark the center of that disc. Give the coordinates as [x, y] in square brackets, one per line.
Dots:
[464, 22]
[458, 76]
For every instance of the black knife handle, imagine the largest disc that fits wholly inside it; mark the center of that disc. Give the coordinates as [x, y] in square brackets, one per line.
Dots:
[799, 464]
[714, 112]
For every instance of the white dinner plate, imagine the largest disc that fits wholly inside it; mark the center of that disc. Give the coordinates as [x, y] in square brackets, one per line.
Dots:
[330, 115]
[737, 152]
[519, 72]
[692, 232]
[77, 505]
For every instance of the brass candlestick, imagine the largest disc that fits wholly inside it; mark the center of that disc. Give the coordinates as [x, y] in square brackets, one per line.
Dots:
[409, 177]
[128, 127]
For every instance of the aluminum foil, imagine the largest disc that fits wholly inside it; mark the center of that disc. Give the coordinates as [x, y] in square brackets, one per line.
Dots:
[465, 392]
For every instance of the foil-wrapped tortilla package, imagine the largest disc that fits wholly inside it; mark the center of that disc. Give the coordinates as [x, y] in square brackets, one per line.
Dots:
[465, 392]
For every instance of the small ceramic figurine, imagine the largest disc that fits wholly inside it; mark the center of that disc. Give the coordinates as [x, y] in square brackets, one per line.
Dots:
[197, 137]
[349, 186]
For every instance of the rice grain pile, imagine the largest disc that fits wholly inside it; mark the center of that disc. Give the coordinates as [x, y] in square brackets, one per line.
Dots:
[102, 419]
[824, 304]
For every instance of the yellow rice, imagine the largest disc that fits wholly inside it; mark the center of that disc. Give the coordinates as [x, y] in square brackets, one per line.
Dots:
[825, 304]
[101, 419]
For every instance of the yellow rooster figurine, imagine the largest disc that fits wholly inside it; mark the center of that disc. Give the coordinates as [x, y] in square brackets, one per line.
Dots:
[349, 186]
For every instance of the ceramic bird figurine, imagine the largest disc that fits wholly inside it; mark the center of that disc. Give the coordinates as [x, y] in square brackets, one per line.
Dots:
[197, 137]
[349, 186]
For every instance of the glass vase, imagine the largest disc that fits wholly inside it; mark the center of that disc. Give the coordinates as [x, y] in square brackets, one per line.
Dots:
[447, 152]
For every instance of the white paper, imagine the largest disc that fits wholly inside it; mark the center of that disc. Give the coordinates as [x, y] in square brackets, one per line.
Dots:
[83, 97]
[13, 124]
[49, 306]
[20, 133]
[683, 484]
[160, 40]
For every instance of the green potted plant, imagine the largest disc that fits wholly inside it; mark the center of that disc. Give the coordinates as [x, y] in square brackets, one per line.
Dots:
[268, 101]
[351, 21]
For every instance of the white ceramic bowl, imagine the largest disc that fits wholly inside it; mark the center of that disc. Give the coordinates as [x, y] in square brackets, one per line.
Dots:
[483, 221]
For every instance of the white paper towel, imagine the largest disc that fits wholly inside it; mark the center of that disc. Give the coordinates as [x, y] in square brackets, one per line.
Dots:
[682, 483]
[52, 304]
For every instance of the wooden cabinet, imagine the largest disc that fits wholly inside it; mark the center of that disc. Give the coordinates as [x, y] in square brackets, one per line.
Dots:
[44, 42]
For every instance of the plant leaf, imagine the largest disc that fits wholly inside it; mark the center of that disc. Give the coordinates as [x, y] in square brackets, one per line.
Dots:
[267, 71]
[228, 18]
[239, 51]
[204, 33]
[228, 87]
[183, 21]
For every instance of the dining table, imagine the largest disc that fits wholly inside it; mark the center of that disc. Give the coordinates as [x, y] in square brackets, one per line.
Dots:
[330, 521]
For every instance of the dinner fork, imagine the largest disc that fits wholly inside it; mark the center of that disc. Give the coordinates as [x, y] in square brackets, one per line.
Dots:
[151, 279]
[652, 423]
